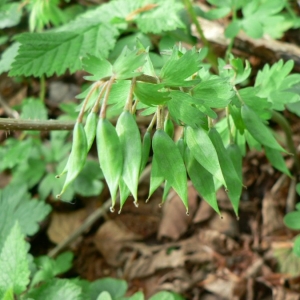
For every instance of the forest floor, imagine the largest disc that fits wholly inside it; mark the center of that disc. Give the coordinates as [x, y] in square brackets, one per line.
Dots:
[200, 256]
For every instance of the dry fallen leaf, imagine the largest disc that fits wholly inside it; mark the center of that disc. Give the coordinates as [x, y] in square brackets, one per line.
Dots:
[63, 224]
[174, 221]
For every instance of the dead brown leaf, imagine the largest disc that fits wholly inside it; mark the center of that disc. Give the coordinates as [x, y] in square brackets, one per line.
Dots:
[174, 221]
[64, 224]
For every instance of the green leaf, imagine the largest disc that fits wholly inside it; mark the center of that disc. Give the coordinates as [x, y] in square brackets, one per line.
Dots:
[8, 56]
[104, 296]
[292, 220]
[8, 295]
[33, 109]
[259, 130]
[233, 29]
[146, 147]
[128, 62]
[156, 177]
[171, 164]
[115, 287]
[130, 140]
[10, 15]
[298, 188]
[232, 179]
[16, 205]
[49, 267]
[137, 296]
[204, 151]
[56, 289]
[155, 20]
[98, 67]
[166, 296]
[202, 180]
[49, 53]
[182, 107]
[110, 156]
[14, 264]
[151, 94]
[296, 247]
[276, 160]
[235, 156]
[124, 193]
[179, 67]
[215, 93]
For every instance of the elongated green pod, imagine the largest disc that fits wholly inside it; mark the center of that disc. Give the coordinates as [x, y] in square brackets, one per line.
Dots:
[77, 157]
[110, 156]
[124, 193]
[259, 130]
[145, 150]
[130, 140]
[202, 180]
[233, 182]
[204, 151]
[276, 160]
[170, 163]
[235, 155]
[90, 129]
[166, 192]
[156, 178]
[181, 146]
[169, 127]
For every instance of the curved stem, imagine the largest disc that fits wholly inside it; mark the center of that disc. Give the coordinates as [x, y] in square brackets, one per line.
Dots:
[105, 100]
[281, 120]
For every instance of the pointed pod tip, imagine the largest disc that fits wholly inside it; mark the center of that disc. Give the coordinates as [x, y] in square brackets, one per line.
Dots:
[160, 205]
[147, 200]
[136, 204]
[58, 196]
[237, 218]
[120, 210]
[221, 217]
[112, 209]
[187, 213]
[57, 176]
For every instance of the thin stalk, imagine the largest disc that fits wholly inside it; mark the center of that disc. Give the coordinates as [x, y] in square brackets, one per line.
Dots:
[42, 88]
[86, 100]
[128, 105]
[158, 118]
[211, 57]
[210, 122]
[152, 122]
[105, 100]
[281, 120]
[238, 95]
[229, 48]
[229, 125]
[95, 108]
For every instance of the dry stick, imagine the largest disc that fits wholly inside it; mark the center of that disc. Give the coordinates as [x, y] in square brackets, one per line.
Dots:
[10, 112]
[49, 125]
[91, 219]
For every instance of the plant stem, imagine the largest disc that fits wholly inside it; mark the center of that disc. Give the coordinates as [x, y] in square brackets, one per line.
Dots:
[95, 108]
[211, 57]
[152, 122]
[229, 48]
[281, 120]
[42, 88]
[128, 105]
[105, 100]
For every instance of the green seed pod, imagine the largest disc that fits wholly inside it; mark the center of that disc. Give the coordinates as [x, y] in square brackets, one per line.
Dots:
[233, 181]
[156, 178]
[181, 146]
[77, 157]
[170, 163]
[145, 150]
[235, 155]
[131, 145]
[124, 193]
[169, 128]
[90, 129]
[167, 189]
[110, 156]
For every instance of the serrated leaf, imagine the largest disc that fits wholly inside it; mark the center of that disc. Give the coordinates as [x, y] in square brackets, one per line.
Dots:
[8, 56]
[56, 289]
[178, 68]
[16, 205]
[49, 267]
[155, 20]
[182, 108]
[259, 130]
[151, 94]
[202, 180]
[128, 62]
[215, 93]
[98, 67]
[233, 182]
[33, 109]
[49, 53]
[131, 145]
[170, 163]
[276, 160]
[14, 265]
[204, 151]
